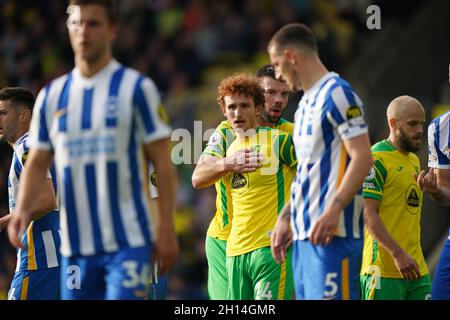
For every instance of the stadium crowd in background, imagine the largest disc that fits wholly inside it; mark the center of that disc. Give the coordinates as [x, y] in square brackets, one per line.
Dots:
[186, 47]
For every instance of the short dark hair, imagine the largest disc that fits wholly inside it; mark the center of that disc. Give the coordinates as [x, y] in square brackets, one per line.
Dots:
[19, 97]
[109, 5]
[296, 34]
[267, 70]
[241, 84]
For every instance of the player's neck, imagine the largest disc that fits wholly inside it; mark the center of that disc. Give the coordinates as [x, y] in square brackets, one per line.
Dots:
[312, 72]
[89, 69]
[20, 131]
[262, 122]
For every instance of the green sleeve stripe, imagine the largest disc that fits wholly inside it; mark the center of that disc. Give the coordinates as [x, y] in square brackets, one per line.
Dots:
[283, 144]
[224, 136]
[293, 156]
[280, 189]
[224, 200]
[380, 167]
[372, 194]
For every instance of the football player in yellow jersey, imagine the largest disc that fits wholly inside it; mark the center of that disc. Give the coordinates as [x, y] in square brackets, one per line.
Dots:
[212, 166]
[393, 264]
[257, 196]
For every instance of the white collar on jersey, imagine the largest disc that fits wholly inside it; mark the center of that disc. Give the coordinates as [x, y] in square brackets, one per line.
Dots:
[319, 82]
[108, 69]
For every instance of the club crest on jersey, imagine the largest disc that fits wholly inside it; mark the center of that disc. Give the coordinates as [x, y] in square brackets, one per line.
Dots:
[412, 199]
[238, 181]
[112, 107]
[353, 112]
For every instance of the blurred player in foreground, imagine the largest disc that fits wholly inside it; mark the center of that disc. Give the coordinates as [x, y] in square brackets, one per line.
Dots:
[333, 151]
[101, 123]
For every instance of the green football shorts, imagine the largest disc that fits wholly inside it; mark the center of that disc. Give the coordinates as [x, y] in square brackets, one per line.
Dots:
[395, 289]
[217, 273]
[256, 275]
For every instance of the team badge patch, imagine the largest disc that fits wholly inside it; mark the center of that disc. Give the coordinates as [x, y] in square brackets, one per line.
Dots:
[153, 179]
[371, 174]
[24, 158]
[353, 112]
[163, 114]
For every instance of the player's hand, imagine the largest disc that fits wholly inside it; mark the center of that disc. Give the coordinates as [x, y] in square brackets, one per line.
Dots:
[17, 226]
[245, 160]
[281, 239]
[407, 266]
[4, 221]
[427, 181]
[166, 247]
[323, 231]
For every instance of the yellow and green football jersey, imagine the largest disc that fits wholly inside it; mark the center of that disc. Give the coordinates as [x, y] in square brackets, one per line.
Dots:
[284, 125]
[391, 181]
[259, 196]
[218, 144]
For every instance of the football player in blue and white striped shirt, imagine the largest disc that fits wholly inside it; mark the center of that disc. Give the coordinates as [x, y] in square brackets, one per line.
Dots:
[101, 123]
[437, 183]
[37, 269]
[333, 152]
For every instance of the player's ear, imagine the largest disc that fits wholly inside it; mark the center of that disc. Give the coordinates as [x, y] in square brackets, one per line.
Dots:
[222, 108]
[290, 55]
[258, 109]
[392, 122]
[25, 115]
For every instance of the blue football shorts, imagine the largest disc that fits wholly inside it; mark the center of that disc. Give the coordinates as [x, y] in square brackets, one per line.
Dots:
[121, 275]
[327, 272]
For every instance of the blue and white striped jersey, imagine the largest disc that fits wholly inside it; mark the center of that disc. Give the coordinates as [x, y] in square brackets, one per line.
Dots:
[96, 128]
[41, 241]
[439, 142]
[327, 113]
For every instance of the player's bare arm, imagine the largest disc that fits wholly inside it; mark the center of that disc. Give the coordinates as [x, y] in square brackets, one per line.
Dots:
[33, 179]
[43, 203]
[437, 184]
[407, 266]
[166, 243]
[361, 160]
[211, 168]
[282, 234]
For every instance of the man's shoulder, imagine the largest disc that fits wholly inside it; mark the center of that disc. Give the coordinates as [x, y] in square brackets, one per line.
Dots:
[440, 122]
[224, 125]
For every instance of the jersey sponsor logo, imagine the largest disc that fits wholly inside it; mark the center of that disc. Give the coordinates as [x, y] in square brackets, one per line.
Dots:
[353, 112]
[238, 181]
[412, 199]
[371, 174]
[153, 179]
